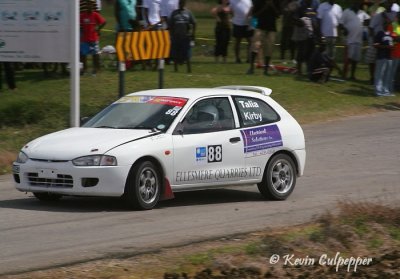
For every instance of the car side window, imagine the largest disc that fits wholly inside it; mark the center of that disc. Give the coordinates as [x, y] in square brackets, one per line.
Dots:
[254, 112]
[209, 115]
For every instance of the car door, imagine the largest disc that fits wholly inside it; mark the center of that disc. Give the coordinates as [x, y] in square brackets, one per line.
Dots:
[208, 148]
[260, 132]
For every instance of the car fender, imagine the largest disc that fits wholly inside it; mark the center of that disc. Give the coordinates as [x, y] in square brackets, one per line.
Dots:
[157, 146]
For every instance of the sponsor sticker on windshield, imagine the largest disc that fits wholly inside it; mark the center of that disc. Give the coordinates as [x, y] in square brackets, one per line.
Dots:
[169, 101]
[135, 99]
[261, 138]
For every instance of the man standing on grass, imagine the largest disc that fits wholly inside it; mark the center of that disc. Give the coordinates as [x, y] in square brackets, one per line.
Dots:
[9, 75]
[241, 25]
[91, 23]
[329, 14]
[383, 42]
[305, 33]
[166, 9]
[152, 14]
[376, 25]
[125, 15]
[265, 13]
[288, 9]
[395, 29]
[182, 26]
[352, 22]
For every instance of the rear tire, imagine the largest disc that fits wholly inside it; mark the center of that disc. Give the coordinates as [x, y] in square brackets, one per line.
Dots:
[279, 178]
[143, 186]
[47, 196]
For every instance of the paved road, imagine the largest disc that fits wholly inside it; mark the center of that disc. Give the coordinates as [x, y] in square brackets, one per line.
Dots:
[354, 159]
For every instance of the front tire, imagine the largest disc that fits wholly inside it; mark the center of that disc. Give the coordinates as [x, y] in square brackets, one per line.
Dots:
[279, 178]
[143, 186]
[47, 197]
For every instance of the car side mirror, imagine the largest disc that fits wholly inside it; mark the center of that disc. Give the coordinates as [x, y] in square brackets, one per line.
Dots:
[84, 120]
[179, 129]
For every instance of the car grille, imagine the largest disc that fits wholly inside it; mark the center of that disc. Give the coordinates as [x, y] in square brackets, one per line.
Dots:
[48, 161]
[62, 180]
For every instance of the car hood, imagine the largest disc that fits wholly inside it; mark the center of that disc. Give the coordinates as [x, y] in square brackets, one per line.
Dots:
[75, 142]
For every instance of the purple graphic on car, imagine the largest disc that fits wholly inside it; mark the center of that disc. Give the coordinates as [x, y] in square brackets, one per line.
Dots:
[261, 138]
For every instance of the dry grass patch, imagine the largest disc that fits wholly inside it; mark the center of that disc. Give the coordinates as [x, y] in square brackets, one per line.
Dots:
[365, 230]
[200, 7]
[6, 160]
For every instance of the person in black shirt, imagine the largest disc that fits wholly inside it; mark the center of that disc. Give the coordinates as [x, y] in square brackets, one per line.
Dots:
[9, 75]
[383, 42]
[222, 29]
[305, 32]
[288, 9]
[321, 64]
[182, 26]
[265, 13]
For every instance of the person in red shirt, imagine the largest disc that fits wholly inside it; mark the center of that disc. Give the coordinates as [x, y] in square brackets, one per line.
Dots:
[91, 23]
[395, 33]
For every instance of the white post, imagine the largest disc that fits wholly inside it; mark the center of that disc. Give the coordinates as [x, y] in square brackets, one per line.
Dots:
[74, 65]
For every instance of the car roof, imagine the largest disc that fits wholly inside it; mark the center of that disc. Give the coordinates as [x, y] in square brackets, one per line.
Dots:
[195, 93]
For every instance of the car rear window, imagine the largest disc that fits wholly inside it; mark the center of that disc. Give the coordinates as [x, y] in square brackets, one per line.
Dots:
[254, 112]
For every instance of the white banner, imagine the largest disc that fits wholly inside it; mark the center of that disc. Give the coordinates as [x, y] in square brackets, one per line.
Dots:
[35, 30]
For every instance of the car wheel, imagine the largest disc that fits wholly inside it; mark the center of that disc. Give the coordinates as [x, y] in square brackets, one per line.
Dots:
[279, 178]
[47, 196]
[143, 186]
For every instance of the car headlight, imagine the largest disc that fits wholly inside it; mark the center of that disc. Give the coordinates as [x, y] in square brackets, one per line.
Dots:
[95, 160]
[22, 158]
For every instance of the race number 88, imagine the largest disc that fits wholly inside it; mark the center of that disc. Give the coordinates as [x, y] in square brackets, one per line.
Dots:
[214, 153]
[172, 112]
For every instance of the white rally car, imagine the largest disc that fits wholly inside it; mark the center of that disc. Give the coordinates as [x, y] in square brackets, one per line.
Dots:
[150, 144]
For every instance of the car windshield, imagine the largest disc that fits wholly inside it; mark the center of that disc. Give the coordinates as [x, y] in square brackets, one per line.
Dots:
[139, 112]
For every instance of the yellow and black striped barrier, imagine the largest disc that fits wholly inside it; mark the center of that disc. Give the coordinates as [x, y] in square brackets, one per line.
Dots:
[143, 45]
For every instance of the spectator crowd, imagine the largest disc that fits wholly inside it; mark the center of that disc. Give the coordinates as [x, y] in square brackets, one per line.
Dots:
[309, 30]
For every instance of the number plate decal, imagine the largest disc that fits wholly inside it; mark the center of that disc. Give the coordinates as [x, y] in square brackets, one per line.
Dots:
[214, 153]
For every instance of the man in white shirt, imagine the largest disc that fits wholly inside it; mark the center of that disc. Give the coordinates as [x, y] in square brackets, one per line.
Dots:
[395, 7]
[98, 5]
[166, 9]
[352, 22]
[241, 25]
[152, 13]
[329, 14]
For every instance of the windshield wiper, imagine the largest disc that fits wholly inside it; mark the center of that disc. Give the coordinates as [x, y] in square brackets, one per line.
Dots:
[141, 127]
[110, 127]
[152, 129]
